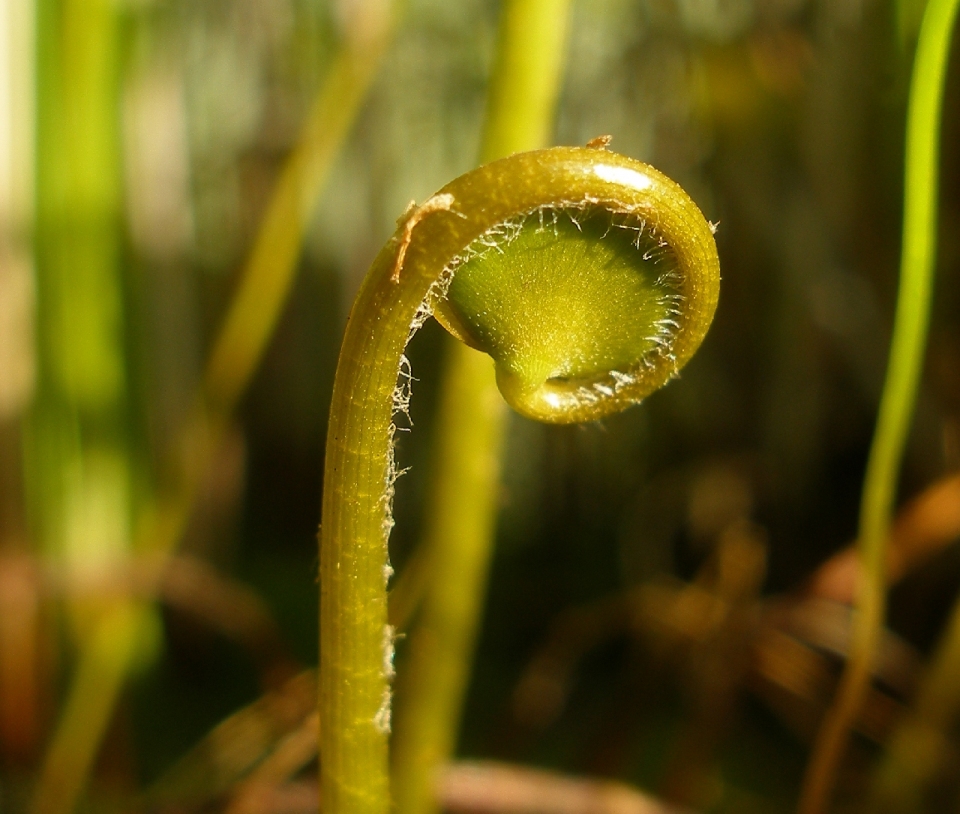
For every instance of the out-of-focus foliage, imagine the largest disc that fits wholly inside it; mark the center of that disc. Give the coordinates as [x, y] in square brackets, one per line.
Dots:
[651, 615]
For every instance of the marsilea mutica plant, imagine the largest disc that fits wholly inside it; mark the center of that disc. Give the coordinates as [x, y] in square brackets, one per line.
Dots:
[588, 277]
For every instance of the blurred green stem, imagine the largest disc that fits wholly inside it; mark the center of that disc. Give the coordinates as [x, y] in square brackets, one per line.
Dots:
[250, 321]
[79, 463]
[462, 512]
[270, 271]
[104, 661]
[22, 674]
[525, 83]
[917, 750]
[267, 277]
[899, 394]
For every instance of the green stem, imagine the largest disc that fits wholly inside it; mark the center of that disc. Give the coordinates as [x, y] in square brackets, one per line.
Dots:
[22, 677]
[899, 393]
[106, 659]
[247, 328]
[462, 508]
[356, 642]
[79, 447]
[267, 277]
[525, 82]
[916, 752]
[79, 465]
[270, 271]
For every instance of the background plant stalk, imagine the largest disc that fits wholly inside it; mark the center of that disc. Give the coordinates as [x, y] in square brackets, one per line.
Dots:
[463, 507]
[899, 395]
[80, 461]
[113, 646]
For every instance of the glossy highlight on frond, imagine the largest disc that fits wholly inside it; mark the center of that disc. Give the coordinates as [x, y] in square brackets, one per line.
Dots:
[588, 305]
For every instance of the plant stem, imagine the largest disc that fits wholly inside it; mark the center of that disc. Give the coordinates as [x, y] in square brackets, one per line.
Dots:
[79, 465]
[899, 394]
[462, 509]
[267, 277]
[239, 346]
[78, 461]
[104, 662]
[356, 649]
[22, 675]
[271, 268]
[525, 84]
[915, 754]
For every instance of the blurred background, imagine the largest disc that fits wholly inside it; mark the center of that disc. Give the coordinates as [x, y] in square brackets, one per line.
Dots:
[663, 607]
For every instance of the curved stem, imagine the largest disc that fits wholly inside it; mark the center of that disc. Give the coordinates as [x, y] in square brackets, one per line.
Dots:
[899, 394]
[356, 642]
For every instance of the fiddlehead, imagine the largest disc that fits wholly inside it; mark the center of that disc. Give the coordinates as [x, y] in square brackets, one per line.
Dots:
[587, 306]
[612, 227]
